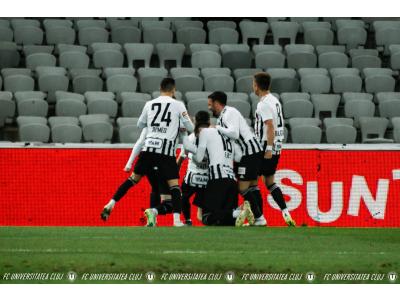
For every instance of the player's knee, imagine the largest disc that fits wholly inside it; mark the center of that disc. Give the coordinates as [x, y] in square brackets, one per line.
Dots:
[134, 178]
[176, 192]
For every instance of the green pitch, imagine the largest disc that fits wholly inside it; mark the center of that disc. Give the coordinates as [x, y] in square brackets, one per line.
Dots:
[198, 249]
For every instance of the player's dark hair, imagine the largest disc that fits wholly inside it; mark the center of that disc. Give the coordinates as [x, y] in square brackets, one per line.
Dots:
[219, 97]
[263, 81]
[202, 119]
[167, 85]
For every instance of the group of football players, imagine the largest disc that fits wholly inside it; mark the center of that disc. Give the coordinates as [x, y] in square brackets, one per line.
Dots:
[224, 160]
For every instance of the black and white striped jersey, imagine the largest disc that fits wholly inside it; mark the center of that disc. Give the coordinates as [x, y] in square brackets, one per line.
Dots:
[269, 108]
[163, 117]
[232, 124]
[221, 153]
[197, 172]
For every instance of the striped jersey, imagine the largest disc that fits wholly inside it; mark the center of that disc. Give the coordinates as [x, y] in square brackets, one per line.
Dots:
[221, 153]
[232, 124]
[269, 108]
[197, 172]
[163, 117]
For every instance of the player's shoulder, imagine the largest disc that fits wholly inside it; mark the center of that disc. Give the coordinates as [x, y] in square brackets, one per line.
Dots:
[232, 110]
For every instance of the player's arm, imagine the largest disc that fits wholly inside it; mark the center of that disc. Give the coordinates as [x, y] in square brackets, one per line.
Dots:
[136, 150]
[232, 123]
[237, 153]
[201, 148]
[270, 138]
[184, 118]
[142, 122]
[182, 153]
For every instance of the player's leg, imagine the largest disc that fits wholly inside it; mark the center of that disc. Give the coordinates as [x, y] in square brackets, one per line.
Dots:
[121, 191]
[187, 193]
[255, 190]
[161, 207]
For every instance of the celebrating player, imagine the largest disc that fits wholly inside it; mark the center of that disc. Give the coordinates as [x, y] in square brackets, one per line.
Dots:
[269, 129]
[232, 124]
[221, 195]
[162, 118]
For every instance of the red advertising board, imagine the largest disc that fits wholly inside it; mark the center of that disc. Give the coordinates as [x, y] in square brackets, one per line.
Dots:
[69, 187]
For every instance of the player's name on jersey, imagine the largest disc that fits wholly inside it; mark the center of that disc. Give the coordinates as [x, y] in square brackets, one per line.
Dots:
[159, 129]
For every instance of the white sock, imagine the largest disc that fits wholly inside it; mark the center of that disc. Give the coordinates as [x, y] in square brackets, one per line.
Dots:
[286, 212]
[177, 218]
[236, 213]
[155, 211]
[111, 204]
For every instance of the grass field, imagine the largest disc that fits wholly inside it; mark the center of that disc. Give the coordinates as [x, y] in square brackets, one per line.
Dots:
[198, 249]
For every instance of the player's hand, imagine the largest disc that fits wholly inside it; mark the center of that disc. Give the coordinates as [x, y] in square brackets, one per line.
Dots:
[268, 154]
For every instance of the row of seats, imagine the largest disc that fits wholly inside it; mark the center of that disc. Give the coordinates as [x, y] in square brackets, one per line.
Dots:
[98, 128]
[351, 33]
[233, 56]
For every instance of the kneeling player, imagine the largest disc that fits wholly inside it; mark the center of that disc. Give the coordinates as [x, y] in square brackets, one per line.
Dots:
[221, 194]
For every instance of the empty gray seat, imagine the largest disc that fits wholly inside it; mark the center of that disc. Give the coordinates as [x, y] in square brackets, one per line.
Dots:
[373, 130]
[155, 24]
[31, 103]
[121, 83]
[125, 34]
[330, 60]
[366, 61]
[340, 131]
[220, 24]
[90, 35]
[185, 83]
[61, 48]
[65, 130]
[135, 51]
[96, 128]
[32, 49]
[283, 80]
[150, 78]
[396, 129]
[387, 33]
[196, 95]
[389, 109]
[74, 59]
[379, 80]
[206, 59]
[70, 104]
[253, 30]
[178, 24]
[101, 103]
[315, 84]
[128, 130]
[318, 33]
[15, 71]
[52, 79]
[108, 58]
[132, 107]
[301, 56]
[321, 49]
[133, 96]
[28, 35]
[270, 59]
[81, 24]
[219, 36]
[190, 35]
[15, 83]
[7, 107]
[219, 82]
[284, 30]
[169, 51]
[351, 33]
[295, 122]
[33, 129]
[324, 103]
[349, 96]
[287, 97]
[243, 107]
[395, 57]
[108, 72]
[195, 106]
[200, 47]
[9, 55]
[239, 73]
[156, 35]
[60, 35]
[359, 108]
[73, 73]
[306, 134]
[6, 34]
[345, 80]
[40, 59]
[85, 83]
[384, 96]
[236, 56]
[297, 109]
[329, 122]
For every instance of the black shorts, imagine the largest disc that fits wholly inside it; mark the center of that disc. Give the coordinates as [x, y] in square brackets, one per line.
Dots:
[188, 191]
[249, 167]
[158, 184]
[221, 194]
[165, 165]
[268, 166]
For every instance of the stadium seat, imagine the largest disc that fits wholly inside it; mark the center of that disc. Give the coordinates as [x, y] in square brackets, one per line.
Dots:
[270, 59]
[9, 55]
[6, 34]
[74, 59]
[90, 35]
[125, 34]
[15, 83]
[386, 33]
[340, 131]
[28, 35]
[212, 24]
[244, 79]
[295, 122]
[207, 72]
[223, 35]
[219, 83]
[108, 72]
[156, 35]
[101, 103]
[187, 79]
[85, 83]
[373, 130]
[325, 103]
[108, 58]
[351, 33]
[48, 23]
[150, 79]
[169, 51]
[31, 103]
[345, 80]
[318, 33]
[321, 49]
[155, 24]
[283, 80]
[52, 79]
[33, 129]
[121, 83]
[60, 35]
[40, 59]
[385, 96]
[396, 129]
[389, 109]
[16, 71]
[306, 134]
[65, 130]
[132, 107]
[82, 24]
[379, 80]
[349, 96]
[7, 107]
[190, 35]
[61, 48]
[70, 104]
[236, 56]
[32, 49]
[243, 107]
[96, 128]
[302, 20]
[287, 97]
[253, 30]
[128, 130]
[136, 52]
[134, 95]
[21, 22]
[83, 72]
[206, 59]
[297, 109]
[394, 57]
[365, 58]
[358, 108]
[179, 24]
[196, 105]
[190, 96]
[314, 80]
[104, 46]
[284, 30]
[301, 56]
[331, 60]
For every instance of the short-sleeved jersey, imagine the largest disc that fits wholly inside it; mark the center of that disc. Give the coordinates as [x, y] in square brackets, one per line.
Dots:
[231, 118]
[269, 108]
[163, 117]
[221, 153]
[197, 172]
